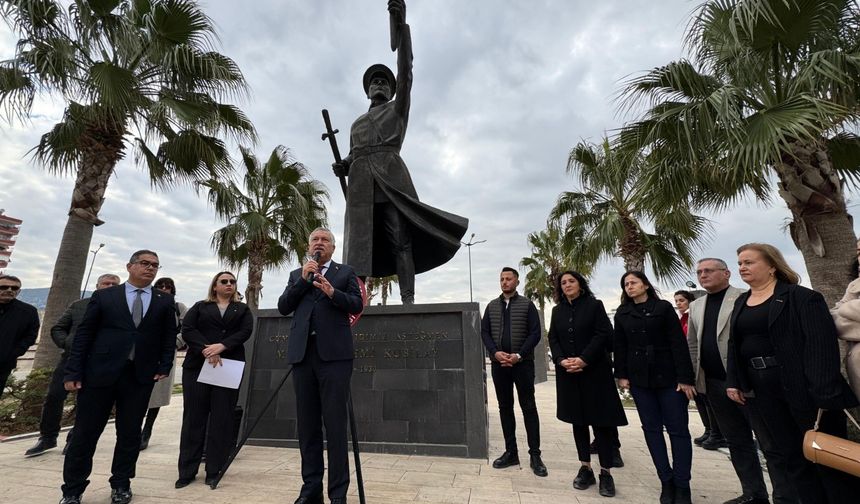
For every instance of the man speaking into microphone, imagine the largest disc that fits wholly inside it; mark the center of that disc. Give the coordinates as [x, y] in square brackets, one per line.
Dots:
[321, 295]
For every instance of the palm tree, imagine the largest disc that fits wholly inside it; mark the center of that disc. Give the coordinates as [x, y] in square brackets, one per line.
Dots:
[548, 258]
[384, 284]
[137, 75]
[770, 93]
[605, 219]
[270, 221]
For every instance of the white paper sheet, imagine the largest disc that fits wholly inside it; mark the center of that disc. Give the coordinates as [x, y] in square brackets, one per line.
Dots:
[227, 375]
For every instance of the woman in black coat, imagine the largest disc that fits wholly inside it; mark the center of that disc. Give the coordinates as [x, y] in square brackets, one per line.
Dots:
[652, 360]
[213, 329]
[783, 361]
[579, 336]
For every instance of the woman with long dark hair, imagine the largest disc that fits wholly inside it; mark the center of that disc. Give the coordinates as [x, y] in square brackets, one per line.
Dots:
[652, 360]
[215, 328]
[783, 362]
[579, 336]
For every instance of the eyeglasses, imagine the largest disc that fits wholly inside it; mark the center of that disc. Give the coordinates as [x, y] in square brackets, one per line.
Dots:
[148, 265]
[708, 271]
[13, 288]
[227, 281]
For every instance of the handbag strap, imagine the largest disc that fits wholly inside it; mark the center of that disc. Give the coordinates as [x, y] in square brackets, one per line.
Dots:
[850, 417]
[847, 413]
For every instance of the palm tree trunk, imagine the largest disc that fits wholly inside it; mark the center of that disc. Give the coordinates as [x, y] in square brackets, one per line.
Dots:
[255, 275]
[69, 269]
[632, 249]
[821, 228]
[98, 159]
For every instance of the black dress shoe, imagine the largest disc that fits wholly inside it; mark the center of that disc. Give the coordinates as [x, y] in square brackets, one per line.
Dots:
[584, 479]
[715, 442]
[144, 440]
[318, 499]
[617, 461]
[183, 482]
[667, 493]
[607, 485]
[507, 459]
[120, 495]
[683, 496]
[210, 480]
[537, 466]
[701, 439]
[71, 499]
[41, 446]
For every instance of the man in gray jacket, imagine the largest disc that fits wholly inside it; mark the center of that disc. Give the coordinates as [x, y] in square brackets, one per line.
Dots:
[63, 334]
[708, 336]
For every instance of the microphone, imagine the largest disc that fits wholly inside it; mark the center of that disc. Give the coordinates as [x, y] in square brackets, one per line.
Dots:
[316, 257]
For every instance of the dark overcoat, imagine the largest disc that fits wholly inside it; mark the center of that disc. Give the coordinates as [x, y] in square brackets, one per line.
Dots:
[806, 345]
[650, 347]
[582, 329]
[377, 173]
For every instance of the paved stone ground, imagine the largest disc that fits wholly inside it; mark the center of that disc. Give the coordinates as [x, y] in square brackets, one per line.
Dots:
[272, 475]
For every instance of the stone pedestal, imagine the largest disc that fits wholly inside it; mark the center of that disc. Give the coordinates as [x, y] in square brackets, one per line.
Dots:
[418, 383]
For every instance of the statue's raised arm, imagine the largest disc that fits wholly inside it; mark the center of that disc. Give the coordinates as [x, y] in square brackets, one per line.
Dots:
[401, 41]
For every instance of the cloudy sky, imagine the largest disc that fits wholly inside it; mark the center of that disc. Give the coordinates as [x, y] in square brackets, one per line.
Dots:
[502, 90]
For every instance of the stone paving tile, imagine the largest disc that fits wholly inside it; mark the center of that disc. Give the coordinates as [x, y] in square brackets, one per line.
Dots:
[273, 475]
[443, 495]
[428, 479]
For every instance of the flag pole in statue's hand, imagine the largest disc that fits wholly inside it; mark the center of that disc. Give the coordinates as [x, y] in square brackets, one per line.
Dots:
[332, 140]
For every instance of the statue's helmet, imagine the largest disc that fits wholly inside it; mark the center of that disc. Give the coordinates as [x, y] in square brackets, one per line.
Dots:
[379, 69]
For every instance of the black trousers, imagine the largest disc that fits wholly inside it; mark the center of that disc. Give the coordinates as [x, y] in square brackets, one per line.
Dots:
[322, 391]
[521, 376]
[786, 426]
[737, 431]
[94, 405]
[6, 369]
[606, 438]
[203, 403]
[52, 409]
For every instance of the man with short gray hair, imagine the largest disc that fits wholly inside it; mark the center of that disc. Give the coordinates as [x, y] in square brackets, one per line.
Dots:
[63, 334]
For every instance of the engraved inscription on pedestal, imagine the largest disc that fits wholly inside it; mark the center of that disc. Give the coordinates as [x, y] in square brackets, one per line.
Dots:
[418, 381]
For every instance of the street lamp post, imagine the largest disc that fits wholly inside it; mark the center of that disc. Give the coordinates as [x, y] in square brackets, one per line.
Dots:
[92, 263]
[469, 245]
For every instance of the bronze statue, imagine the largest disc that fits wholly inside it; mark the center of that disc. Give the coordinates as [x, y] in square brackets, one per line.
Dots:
[388, 230]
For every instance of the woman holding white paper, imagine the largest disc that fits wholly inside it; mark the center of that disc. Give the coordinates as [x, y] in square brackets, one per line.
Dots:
[214, 329]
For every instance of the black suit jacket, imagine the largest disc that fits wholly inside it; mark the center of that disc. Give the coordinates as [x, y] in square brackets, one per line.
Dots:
[651, 350]
[19, 326]
[315, 311]
[104, 339]
[805, 343]
[203, 325]
[63, 332]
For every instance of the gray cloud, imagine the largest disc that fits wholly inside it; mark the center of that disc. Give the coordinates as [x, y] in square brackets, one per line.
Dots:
[502, 91]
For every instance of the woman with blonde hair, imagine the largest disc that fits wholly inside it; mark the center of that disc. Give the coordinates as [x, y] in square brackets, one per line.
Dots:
[783, 362]
[215, 328]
